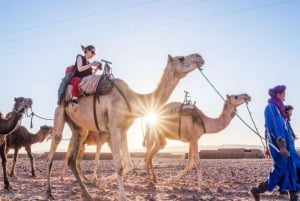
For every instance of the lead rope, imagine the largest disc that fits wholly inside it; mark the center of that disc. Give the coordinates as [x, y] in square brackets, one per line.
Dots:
[33, 114]
[254, 131]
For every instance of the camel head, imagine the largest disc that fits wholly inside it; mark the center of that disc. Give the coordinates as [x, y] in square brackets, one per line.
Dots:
[44, 132]
[22, 104]
[237, 100]
[181, 65]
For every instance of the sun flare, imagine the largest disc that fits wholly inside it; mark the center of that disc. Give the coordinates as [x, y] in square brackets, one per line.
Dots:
[151, 118]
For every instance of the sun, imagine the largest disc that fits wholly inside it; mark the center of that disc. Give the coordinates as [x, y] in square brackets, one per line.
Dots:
[151, 118]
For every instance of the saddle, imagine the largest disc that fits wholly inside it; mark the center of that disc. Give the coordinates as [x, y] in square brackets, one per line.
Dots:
[89, 85]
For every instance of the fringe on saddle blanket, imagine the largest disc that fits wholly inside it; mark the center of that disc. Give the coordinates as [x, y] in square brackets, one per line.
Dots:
[87, 85]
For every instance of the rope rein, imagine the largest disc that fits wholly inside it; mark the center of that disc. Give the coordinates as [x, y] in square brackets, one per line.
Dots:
[32, 114]
[243, 121]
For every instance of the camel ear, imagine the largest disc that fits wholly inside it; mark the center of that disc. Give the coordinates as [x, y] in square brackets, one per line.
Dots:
[15, 99]
[170, 57]
[227, 96]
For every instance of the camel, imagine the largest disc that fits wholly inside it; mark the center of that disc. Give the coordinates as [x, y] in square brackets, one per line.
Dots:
[93, 138]
[193, 124]
[115, 112]
[7, 125]
[21, 137]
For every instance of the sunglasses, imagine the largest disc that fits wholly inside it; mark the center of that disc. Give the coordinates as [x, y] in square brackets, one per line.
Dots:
[93, 52]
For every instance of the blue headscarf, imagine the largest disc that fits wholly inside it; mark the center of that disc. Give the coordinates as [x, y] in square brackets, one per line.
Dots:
[273, 92]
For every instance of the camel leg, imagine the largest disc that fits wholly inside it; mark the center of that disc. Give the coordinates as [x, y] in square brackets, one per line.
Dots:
[59, 123]
[12, 172]
[4, 161]
[116, 138]
[79, 139]
[79, 160]
[66, 158]
[6, 152]
[198, 165]
[28, 150]
[159, 144]
[96, 161]
[128, 166]
[149, 143]
[190, 161]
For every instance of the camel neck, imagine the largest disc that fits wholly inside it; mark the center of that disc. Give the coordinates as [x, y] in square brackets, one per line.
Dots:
[8, 125]
[153, 101]
[165, 87]
[213, 125]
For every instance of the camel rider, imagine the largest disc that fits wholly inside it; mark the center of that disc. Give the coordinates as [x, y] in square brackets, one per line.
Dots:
[83, 69]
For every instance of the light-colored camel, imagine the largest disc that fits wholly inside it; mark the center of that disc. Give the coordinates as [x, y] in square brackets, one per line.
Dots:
[21, 137]
[115, 112]
[93, 138]
[193, 124]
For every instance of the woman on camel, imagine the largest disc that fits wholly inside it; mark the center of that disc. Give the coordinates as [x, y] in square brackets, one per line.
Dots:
[83, 68]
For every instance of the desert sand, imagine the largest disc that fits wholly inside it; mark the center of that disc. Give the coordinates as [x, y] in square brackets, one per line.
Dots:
[225, 179]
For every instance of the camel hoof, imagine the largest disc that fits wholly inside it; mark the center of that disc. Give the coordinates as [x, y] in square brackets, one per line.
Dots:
[154, 181]
[169, 181]
[50, 196]
[86, 196]
[8, 187]
[94, 180]
[151, 184]
[101, 183]
[203, 187]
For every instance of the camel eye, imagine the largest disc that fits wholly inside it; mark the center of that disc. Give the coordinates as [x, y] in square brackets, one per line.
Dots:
[181, 59]
[236, 97]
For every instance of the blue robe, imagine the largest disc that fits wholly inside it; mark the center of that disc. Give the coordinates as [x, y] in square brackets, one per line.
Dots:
[284, 173]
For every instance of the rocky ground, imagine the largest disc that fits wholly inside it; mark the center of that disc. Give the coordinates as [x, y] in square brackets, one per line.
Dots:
[224, 179]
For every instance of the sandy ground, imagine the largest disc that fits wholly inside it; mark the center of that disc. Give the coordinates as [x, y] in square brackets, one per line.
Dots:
[225, 179]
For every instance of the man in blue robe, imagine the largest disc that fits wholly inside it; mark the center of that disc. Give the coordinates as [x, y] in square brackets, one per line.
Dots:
[281, 147]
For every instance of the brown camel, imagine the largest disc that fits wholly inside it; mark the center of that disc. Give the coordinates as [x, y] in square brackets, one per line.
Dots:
[7, 125]
[116, 112]
[21, 137]
[93, 138]
[193, 124]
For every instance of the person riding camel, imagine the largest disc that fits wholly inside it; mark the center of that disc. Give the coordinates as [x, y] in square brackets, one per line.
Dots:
[83, 68]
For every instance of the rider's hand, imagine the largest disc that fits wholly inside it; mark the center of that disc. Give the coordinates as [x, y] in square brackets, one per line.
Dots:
[284, 152]
[282, 147]
[267, 153]
[95, 63]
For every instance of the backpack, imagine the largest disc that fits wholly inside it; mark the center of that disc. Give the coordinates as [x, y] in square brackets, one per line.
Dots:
[70, 69]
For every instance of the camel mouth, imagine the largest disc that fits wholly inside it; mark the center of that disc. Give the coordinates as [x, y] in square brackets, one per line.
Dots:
[198, 60]
[28, 103]
[247, 99]
[199, 64]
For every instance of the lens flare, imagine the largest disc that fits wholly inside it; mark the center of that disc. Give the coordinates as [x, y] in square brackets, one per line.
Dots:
[151, 118]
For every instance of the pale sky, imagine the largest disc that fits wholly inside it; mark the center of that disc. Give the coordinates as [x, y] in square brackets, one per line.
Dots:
[248, 46]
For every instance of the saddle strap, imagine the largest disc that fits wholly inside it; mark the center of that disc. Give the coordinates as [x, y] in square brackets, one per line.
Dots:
[179, 121]
[194, 115]
[94, 104]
